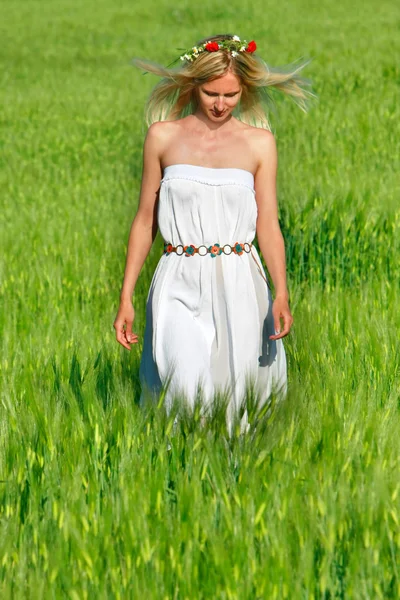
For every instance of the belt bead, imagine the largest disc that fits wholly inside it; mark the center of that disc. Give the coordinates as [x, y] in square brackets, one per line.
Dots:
[214, 250]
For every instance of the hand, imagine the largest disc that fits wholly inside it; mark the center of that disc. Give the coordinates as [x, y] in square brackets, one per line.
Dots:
[125, 316]
[281, 310]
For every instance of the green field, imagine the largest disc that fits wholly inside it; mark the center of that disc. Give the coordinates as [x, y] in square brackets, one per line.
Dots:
[100, 499]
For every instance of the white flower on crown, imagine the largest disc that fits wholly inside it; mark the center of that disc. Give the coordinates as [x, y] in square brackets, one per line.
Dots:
[234, 53]
[236, 38]
[242, 48]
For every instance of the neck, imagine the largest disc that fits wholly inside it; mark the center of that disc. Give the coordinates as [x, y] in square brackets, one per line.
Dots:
[206, 123]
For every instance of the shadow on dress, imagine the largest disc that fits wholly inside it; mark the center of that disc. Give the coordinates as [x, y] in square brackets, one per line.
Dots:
[268, 347]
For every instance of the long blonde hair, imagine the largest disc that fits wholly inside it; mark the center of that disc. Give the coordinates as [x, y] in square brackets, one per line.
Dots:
[174, 96]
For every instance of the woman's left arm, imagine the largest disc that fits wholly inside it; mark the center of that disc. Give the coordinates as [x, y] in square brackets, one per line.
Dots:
[269, 235]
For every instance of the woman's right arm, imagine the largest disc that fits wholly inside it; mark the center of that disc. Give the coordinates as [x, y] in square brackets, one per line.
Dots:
[142, 234]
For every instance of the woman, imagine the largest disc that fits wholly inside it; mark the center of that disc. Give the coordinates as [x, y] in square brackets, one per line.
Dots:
[209, 185]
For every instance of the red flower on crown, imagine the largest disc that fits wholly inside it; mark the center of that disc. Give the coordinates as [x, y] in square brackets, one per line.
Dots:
[212, 46]
[251, 46]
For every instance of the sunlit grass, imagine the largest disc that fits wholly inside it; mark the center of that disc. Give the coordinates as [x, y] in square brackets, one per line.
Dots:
[100, 498]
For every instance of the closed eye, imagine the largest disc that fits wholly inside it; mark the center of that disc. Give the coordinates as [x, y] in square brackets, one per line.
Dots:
[231, 95]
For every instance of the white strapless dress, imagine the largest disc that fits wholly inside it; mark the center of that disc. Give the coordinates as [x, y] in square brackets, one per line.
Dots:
[208, 319]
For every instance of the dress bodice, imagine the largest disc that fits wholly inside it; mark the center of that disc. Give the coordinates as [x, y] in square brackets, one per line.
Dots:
[204, 205]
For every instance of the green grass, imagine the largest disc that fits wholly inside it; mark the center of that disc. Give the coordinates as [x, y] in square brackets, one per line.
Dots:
[100, 499]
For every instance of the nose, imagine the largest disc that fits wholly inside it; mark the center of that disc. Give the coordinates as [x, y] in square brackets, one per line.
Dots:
[219, 103]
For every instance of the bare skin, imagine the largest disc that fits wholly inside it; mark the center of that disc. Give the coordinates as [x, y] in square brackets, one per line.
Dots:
[212, 137]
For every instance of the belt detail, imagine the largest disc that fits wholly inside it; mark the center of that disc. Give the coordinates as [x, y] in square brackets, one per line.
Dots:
[214, 250]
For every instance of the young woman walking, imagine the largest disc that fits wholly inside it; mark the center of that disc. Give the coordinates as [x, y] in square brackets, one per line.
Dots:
[209, 186]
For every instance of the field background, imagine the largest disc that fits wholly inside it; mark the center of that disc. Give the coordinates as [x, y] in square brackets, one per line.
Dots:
[93, 501]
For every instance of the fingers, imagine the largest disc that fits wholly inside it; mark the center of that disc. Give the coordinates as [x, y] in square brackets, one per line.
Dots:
[130, 336]
[121, 338]
[287, 323]
[277, 324]
[125, 337]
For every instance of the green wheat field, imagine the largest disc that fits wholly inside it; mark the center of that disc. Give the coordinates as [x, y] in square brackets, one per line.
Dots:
[100, 498]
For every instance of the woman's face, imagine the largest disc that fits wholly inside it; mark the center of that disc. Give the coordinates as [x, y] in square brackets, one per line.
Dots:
[218, 98]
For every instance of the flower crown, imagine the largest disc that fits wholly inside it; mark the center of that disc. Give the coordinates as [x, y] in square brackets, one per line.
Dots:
[234, 45]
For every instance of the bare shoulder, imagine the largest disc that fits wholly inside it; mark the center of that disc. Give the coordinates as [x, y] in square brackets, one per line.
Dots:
[159, 130]
[264, 147]
[167, 128]
[161, 133]
[263, 141]
[157, 138]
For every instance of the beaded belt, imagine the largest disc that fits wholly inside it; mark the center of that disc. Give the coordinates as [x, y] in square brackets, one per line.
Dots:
[213, 250]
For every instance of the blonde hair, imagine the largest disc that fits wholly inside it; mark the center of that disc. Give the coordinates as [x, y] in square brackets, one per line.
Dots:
[174, 96]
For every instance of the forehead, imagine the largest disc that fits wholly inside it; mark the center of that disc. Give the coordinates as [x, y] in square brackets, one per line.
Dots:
[223, 85]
